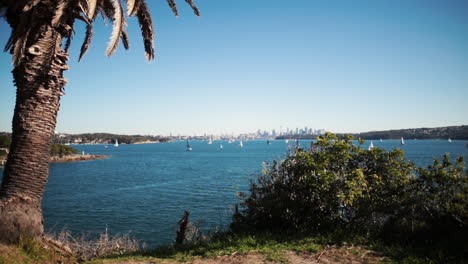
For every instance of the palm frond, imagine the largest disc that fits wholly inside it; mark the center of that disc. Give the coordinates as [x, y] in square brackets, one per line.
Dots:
[30, 5]
[125, 40]
[194, 7]
[16, 44]
[132, 7]
[59, 12]
[173, 6]
[19, 48]
[87, 41]
[147, 30]
[117, 27]
[67, 44]
[92, 4]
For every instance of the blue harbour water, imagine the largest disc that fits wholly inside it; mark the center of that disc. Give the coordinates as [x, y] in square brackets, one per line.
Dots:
[146, 188]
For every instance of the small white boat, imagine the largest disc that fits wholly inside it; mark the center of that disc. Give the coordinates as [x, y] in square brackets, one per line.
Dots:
[381, 140]
[449, 140]
[188, 148]
[241, 144]
[221, 146]
[210, 141]
[116, 144]
[371, 146]
[402, 141]
[286, 141]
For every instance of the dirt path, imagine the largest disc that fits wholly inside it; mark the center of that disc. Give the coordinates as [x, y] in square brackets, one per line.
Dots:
[350, 255]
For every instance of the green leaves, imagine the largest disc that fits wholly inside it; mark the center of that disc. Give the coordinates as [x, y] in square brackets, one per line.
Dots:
[340, 185]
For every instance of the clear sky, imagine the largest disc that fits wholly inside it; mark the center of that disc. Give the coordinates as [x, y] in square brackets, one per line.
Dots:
[346, 66]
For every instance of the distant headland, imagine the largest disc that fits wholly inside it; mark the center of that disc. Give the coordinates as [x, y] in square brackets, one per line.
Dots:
[453, 132]
[58, 153]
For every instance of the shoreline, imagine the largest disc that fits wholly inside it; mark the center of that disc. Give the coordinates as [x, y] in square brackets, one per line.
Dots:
[74, 158]
[68, 158]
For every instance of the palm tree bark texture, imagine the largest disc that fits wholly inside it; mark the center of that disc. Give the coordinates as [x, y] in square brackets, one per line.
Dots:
[39, 28]
[39, 82]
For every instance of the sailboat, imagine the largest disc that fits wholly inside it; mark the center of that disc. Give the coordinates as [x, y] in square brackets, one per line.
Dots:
[241, 144]
[402, 141]
[381, 140]
[116, 144]
[286, 141]
[230, 141]
[268, 142]
[210, 141]
[188, 148]
[449, 140]
[221, 146]
[371, 146]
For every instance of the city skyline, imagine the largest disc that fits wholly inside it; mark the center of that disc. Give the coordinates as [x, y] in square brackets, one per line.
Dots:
[346, 67]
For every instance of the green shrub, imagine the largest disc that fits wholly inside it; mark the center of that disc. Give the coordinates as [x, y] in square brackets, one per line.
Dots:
[4, 142]
[337, 186]
[62, 150]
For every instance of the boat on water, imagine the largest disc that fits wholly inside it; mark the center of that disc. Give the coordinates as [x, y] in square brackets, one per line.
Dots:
[286, 141]
[402, 141]
[449, 140]
[188, 148]
[371, 146]
[268, 142]
[116, 144]
[210, 141]
[381, 140]
[241, 144]
[230, 141]
[221, 146]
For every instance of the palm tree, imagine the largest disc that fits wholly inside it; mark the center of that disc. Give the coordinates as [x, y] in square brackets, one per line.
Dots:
[39, 42]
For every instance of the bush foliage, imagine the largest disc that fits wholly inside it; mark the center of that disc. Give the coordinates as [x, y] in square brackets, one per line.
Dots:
[62, 150]
[4, 141]
[338, 186]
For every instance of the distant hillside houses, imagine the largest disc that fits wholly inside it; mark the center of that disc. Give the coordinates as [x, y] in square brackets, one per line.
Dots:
[452, 132]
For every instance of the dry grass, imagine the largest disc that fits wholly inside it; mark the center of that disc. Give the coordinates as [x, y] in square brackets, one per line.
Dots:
[86, 248]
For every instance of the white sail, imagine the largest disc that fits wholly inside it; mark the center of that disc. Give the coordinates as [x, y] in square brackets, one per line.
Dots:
[221, 146]
[381, 140]
[371, 146]
[402, 141]
[286, 141]
[116, 144]
[240, 144]
[210, 141]
[449, 140]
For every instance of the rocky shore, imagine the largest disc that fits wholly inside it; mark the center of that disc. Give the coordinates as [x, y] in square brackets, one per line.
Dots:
[72, 158]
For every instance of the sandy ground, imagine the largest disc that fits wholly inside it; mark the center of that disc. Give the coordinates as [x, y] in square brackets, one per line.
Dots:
[350, 255]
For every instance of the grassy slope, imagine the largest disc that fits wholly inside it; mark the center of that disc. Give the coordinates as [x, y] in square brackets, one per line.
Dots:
[31, 252]
[234, 249]
[248, 248]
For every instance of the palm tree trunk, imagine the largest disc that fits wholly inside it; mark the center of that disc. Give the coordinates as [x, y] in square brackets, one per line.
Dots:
[39, 82]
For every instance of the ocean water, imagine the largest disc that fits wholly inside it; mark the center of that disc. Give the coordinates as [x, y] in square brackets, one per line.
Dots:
[146, 188]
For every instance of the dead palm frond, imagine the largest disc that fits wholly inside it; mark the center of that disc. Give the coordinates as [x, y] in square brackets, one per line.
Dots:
[21, 16]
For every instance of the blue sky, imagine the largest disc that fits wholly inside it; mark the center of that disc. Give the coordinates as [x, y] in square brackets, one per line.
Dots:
[346, 66]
